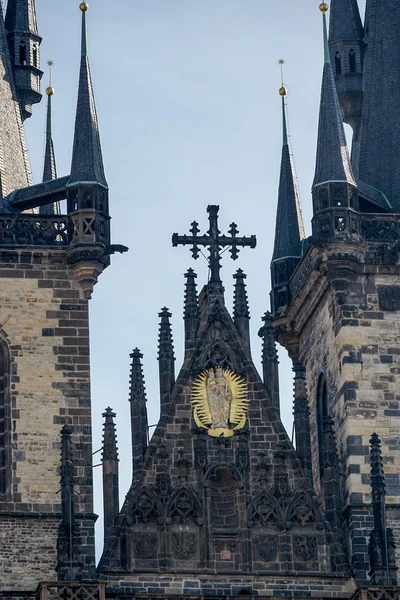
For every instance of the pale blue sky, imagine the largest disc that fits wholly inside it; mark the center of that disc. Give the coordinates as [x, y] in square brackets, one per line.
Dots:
[189, 113]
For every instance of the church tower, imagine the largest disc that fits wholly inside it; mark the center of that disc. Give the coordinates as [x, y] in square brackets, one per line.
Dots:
[48, 266]
[342, 318]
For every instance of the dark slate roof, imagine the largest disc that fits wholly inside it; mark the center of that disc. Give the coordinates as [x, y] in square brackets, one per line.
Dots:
[333, 161]
[345, 21]
[21, 16]
[289, 228]
[50, 170]
[379, 165]
[39, 194]
[87, 160]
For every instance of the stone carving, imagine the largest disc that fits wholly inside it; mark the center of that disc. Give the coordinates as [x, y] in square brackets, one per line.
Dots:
[34, 229]
[219, 401]
[266, 547]
[184, 544]
[281, 489]
[144, 508]
[200, 453]
[302, 512]
[183, 507]
[145, 544]
[389, 297]
[243, 455]
[305, 546]
[264, 511]
[221, 545]
[163, 485]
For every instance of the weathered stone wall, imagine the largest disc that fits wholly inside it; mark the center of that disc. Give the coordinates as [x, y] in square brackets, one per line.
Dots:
[356, 344]
[44, 322]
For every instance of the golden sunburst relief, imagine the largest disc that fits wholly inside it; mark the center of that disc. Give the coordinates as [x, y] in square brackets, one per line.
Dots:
[219, 401]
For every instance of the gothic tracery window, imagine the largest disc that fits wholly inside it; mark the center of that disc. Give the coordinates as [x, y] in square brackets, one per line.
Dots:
[5, 424]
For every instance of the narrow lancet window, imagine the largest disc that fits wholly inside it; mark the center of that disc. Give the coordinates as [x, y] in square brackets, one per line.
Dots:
[321, 414]
[338, 64]
[5, 424]
[22, 53]
[352, 61]
[35, 56]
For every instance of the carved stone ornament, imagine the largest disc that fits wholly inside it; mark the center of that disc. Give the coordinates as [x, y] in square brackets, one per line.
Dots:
[389, 297]
[221, 545]
[145, 544]
[266, 547]
[219, 402]
[184, 544]
[200, 453]
[305, 546]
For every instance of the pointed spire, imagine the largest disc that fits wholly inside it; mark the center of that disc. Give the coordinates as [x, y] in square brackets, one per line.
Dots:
[270, 360]
[241, 312]
[166, 359]
[191, 309]
[379, 166]
[345, 21]
[21, 16]
[110, 475]
[49, 170]
[87, 160]
[139, 422]
[289, 228]
[333, 161]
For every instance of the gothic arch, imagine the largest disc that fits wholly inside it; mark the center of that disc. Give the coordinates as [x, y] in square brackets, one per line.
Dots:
[5, 421]
[184, 506]
[302, 512]
[213, 471]
[145, 507]
[264, 510]
[218, 354]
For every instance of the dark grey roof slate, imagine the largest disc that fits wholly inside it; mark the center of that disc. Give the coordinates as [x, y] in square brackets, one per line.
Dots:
[35, 195]
[345, 21]
[50, 170]
[333, 161]
[289, 228]
[87, 161]
[379, 165]
[21, 16]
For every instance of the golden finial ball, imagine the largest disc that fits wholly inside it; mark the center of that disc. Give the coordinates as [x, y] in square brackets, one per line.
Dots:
[84, 6]
[50, 91]
[323, 7]
[282, 91]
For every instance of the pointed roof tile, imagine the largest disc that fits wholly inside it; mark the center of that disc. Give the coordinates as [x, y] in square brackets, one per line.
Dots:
[345, 21]
[289, 228]
[87, 160]
[21, 16]
[333, 160]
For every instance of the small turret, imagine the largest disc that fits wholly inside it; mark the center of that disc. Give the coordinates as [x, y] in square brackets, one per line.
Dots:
[335, 192]
[270, 360]
[24, 41]
[166, 360]
[381, 555]
[346, 44]
[191, 309]
[139, 422]
[110, 475]
[87, 195]
[301, 412]
[49, 169]
[241, 312]
[289, 228]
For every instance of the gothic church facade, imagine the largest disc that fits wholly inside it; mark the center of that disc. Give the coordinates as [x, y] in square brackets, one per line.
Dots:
[221, 503]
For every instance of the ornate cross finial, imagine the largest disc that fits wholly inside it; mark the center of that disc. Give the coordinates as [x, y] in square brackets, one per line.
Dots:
[214, 241]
